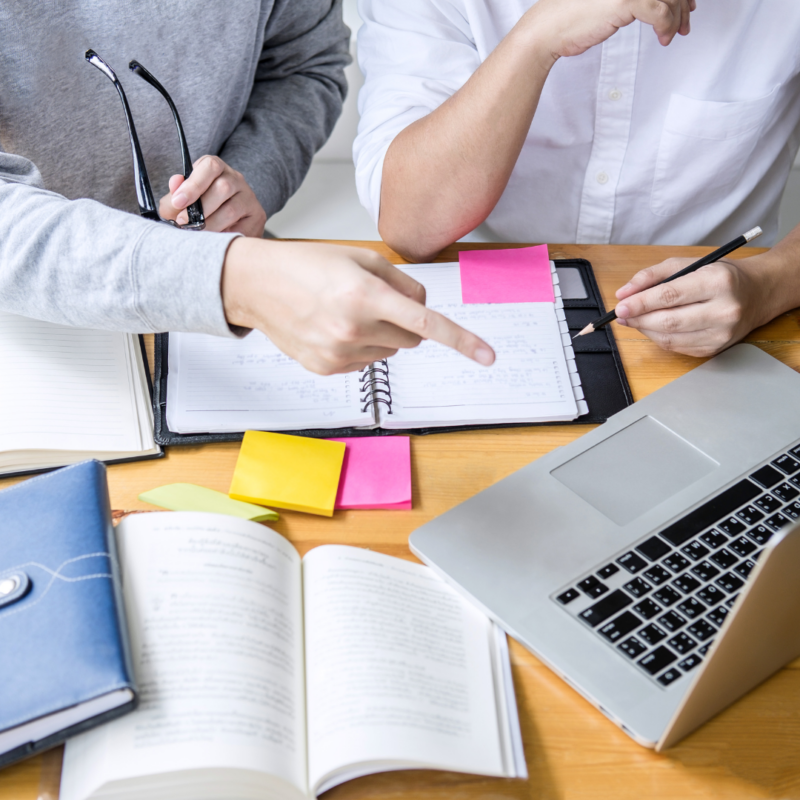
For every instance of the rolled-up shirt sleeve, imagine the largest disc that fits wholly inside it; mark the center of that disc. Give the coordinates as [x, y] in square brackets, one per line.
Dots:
[81, 263]
[414, 54]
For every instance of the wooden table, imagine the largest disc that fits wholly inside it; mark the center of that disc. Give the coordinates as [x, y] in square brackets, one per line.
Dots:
[752, 750]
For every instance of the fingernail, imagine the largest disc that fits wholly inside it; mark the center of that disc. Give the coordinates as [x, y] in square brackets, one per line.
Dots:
[179, 200]
[484, 356]
[622, 311]
[621, 321]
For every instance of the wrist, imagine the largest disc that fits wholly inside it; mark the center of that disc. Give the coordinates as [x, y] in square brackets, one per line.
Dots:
[238, 280]
[775, 284]
[531, 32]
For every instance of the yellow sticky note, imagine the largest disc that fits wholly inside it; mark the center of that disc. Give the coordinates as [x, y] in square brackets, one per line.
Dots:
[292, 472]
[189, 497]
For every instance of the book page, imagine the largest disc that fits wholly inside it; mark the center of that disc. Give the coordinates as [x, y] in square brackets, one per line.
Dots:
[215, 617]
[218, 385]
[74, 390]
[529, 381]
[398, 670]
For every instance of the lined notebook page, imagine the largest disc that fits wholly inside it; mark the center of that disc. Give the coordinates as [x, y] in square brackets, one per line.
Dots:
[67, 389]
[229, 385]
[530, 380]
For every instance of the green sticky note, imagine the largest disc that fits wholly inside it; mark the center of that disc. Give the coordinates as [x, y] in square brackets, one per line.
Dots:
[189, 497]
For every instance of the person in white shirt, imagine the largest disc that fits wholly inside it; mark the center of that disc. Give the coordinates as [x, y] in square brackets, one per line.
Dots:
[592, 121]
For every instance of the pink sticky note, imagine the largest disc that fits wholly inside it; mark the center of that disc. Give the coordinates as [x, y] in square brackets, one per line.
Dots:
[518, 275]
[376, 473]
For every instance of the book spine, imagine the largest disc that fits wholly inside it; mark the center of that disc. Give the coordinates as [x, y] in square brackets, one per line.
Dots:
[375, 386]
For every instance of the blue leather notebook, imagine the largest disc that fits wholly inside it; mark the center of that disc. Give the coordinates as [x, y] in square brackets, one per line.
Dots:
[64, 660]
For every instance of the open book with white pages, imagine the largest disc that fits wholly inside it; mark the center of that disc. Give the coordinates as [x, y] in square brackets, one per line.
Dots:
[263, 675]
[229, 385]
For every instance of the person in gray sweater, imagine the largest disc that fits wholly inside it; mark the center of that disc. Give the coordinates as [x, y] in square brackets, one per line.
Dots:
[259, 85]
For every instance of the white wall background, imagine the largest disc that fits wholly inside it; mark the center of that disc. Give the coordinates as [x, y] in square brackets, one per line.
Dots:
[327, 207]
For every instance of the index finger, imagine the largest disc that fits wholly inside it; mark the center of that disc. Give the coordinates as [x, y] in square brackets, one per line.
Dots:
[679, 292]
[429, 324]
[205, 171]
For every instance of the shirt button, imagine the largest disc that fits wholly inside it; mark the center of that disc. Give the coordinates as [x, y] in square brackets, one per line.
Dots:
[602, 177]
[614, 94]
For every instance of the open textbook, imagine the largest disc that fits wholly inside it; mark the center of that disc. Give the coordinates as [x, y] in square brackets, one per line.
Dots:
[228, 385]
[70, 394]
[262, 675]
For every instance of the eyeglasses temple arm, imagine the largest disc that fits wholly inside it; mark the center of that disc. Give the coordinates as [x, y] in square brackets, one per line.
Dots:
[144, 192]
[195, 210]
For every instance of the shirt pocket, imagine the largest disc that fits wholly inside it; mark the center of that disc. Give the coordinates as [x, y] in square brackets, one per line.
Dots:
[704, 149]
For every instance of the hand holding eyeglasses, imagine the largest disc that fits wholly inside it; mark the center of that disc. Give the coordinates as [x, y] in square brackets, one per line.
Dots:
[229, 203]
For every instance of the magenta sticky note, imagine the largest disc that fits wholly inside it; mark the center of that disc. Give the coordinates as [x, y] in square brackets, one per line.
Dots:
[376, 473]
[517, 275]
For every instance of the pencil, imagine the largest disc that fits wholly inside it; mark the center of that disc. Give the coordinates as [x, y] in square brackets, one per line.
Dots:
[738, 242]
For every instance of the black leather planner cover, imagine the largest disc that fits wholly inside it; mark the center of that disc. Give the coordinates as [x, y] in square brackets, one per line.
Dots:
[603, 378]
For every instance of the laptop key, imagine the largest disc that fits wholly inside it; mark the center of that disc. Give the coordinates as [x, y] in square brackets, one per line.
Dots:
[731, 600]
[632, 647]
[778, 521]
[745, 568]
[702, 630]
[795, 480]
[682, 643]
[750, 515]
[690, 662]
[705, 571]
[710, 595]
[653, 548]
[691, 607]
[652, 634]
[768, 503]
[724, 558]
[675, 562]
[619, 627]
[707, 514]
[666, 595]
[731, 526]
[714, 539]
[793, 510]
[637, 587]
[568, 596]
[785, 492]
[607, 571]
[686, 583]
[669, 676]
[729, 582]
[695, 550]
[647, 608]
[767, 476]
[795, 451]
[672, 621]
[605, 608]
[632, 562]
[592, 587]
[760, 534]
[787, 464]
[657, 574]
[742, 546]
[717, 616]
[701, 651]
[655, 661]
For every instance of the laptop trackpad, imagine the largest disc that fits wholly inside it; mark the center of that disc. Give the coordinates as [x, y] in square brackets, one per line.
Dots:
[634, 470]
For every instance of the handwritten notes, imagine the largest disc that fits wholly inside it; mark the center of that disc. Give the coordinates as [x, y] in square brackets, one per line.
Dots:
[292, 472]
[517, 275]
[190, 497]
[376, 473]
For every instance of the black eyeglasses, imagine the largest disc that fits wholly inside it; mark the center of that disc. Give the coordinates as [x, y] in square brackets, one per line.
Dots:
[144, 192]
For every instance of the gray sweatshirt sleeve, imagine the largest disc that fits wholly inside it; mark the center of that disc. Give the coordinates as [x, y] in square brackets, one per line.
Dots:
[81, 263]
[297, 97]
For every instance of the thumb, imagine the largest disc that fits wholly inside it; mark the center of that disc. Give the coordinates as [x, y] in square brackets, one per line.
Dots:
[651, 276]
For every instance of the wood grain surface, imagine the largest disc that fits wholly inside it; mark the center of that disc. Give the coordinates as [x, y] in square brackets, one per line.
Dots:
[752, 750]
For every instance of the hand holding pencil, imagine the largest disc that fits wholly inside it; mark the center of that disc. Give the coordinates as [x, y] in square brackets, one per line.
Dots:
[691, 310]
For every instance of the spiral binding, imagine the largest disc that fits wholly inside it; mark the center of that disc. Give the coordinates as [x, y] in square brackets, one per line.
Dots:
[375, 386]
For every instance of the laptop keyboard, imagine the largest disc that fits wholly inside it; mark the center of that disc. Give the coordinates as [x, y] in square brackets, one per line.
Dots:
[661, 603]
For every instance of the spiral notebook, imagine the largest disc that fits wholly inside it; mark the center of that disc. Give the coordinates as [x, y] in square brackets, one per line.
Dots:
[227, 385]
[181, 400]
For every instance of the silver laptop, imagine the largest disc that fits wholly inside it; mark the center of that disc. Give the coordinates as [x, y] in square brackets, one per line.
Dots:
[654, 563]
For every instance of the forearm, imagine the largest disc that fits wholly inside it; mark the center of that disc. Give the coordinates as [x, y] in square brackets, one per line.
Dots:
[83, 264]
[444, 174]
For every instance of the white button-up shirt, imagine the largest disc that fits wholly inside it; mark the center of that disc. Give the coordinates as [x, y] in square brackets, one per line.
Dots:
[632, 142]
